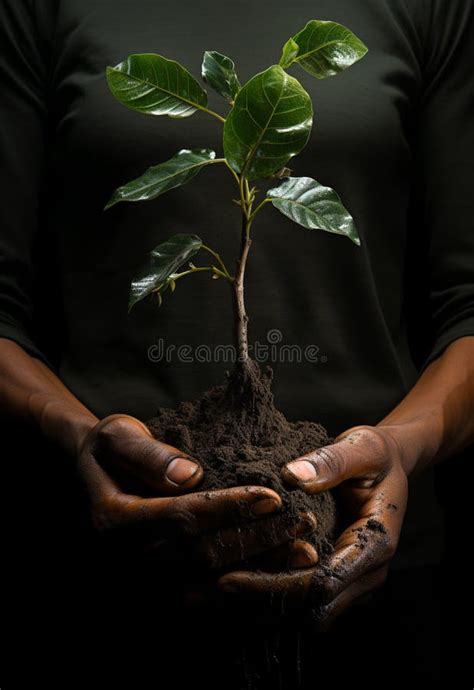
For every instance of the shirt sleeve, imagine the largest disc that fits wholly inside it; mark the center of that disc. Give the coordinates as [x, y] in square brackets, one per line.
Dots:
[23, 136]
[444, 164]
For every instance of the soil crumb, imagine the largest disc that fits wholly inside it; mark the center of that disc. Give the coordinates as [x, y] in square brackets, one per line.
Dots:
[241, 438]
[376, 526]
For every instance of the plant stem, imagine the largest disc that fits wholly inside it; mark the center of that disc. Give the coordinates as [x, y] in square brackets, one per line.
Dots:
[240, 313]
[243, 198]
[211, 112]
[225, 272]
[247, 190]
[225, 161]
[236, 177]
[247, 196]
[261, 204]
[196, 269]
[241, 318]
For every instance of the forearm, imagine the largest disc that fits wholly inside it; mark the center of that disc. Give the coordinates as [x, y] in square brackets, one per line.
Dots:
[31, 392]
[436, 418]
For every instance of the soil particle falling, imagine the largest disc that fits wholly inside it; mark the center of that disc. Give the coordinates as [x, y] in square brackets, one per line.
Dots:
[240, 438]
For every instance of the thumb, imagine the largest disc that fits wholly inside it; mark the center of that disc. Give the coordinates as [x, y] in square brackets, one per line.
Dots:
[124, 442]
[358, 453]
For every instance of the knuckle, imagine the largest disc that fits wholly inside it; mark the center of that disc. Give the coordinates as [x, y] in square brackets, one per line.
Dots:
[109, 431]
[384, 547]
[153, 453]
[364, 434]
[115, 428]
[329, 460]
[106, 515]
[324, 587]
[179, 520]
[217, 549]
[158, 456]
[373, 447]
[207, 553]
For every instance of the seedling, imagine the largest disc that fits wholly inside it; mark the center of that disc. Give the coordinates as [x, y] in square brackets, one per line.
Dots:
[269, 120]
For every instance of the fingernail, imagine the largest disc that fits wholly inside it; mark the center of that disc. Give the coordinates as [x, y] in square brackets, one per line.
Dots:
[302, 559]
[306, 524]
[303, 470]
[180, 470]
[264, 506]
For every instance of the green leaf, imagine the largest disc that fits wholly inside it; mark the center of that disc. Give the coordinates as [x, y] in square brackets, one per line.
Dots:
[312, 205]
[288, 53]
[158, 179]
[270, 122]
[164, 260]
[219, 72]
[154, 85]
[324, 48]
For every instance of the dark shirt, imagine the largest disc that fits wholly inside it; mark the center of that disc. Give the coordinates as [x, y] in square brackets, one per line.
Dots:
[393, 135]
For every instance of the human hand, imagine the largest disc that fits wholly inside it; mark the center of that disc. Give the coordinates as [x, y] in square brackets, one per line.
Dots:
[140, 498]
[364, 469]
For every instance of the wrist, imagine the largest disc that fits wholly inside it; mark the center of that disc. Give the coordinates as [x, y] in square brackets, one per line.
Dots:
[419, 439]
[63, 422]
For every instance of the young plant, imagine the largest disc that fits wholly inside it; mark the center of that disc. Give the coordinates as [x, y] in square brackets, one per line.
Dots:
[269, 121]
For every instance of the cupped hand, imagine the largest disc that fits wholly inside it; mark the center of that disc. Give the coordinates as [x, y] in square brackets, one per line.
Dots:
[143, 496]
[364, 469]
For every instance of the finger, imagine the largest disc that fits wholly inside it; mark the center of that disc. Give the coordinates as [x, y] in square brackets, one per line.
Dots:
[293, 555]
[359, 453]
[290, 586]
[193, 513]
[234, 544]
[126, 443]
[365, 546]
[290, 555]
[320, 585]
[368, 543]
[371, 581]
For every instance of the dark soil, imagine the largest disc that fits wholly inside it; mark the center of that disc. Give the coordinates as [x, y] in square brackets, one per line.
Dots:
[241, 438]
